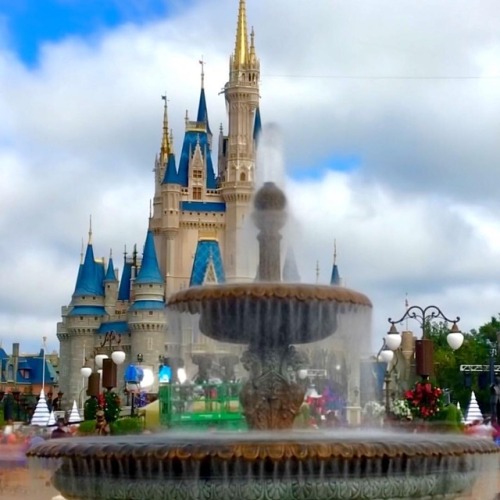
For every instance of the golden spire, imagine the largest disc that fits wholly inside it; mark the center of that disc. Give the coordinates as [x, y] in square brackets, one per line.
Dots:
[241, 47]
[165, 140]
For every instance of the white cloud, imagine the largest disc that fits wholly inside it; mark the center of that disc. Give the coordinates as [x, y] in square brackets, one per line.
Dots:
[79, 133]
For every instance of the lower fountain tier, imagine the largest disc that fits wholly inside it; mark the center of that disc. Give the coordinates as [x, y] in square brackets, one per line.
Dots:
[297, 465]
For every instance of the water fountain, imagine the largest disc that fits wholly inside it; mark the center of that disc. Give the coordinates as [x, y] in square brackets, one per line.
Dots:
[270, 461]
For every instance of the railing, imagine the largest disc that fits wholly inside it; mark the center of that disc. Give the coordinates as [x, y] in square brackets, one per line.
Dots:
[201, 405]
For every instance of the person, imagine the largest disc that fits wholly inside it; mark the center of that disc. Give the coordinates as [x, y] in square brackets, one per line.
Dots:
[59, 431]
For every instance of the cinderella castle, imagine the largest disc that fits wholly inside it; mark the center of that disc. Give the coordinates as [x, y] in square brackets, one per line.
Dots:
[194, 237]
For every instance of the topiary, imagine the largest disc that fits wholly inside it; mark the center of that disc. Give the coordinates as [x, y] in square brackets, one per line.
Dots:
[127, 425]
[90, 408]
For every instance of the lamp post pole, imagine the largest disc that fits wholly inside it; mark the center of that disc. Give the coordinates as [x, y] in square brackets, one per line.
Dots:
[391, 342]
[424, 347]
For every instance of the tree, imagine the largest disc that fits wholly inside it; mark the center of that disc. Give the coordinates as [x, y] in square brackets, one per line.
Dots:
[474, 351]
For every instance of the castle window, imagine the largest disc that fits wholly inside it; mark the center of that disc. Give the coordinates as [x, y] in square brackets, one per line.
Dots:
[243, 177]
[196, 193]
[197, 174]
[151, 313]
[25, 374]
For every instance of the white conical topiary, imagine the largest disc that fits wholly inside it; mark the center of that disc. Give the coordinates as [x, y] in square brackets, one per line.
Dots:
[52, 419]
[41, 414]
[473, 412]
[74, 416]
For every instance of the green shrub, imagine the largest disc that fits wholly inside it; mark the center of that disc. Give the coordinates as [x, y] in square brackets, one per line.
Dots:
[90, 408]
[450, 419]
[127, 425]
[86, 427]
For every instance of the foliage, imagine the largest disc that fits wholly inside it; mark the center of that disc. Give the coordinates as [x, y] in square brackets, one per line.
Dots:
[451, 418]
[425, 400]
[86, 427]
[90, 408]
[474, 351]
[111, 404]
[127, 425]
[400, 409]
[373, 409]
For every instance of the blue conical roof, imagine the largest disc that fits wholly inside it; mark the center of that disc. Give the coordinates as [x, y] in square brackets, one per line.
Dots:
[150, 271]
[335, 279]
[124, 290]
[202, 111]
[110, 272]
[90, 275]
[171, 176]
[257, 126]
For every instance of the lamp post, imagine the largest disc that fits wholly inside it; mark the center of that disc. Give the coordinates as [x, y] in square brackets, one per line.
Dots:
[391, 342]
[105, 364]
[424, 347]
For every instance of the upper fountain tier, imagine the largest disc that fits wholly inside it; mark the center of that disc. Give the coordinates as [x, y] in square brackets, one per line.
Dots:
[268, 313]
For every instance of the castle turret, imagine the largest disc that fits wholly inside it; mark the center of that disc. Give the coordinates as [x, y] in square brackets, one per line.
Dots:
[110, 287]
[242, 97]
[335, 278]
[80, 322]
[146, 316]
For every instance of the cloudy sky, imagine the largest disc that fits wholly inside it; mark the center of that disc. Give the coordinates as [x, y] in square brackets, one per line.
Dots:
[389, 115]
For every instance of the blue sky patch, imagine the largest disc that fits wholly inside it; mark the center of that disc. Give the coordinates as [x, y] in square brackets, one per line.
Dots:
[336, 163]
[29, 23]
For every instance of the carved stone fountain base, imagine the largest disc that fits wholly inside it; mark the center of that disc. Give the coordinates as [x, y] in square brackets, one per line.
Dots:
[273, 465]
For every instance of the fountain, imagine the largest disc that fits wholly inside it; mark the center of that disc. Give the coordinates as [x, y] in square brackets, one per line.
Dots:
[270, 461]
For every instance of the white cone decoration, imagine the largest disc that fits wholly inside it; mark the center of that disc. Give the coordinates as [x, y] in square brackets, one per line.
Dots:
[461, 412]
[74, 416]
[52, 419]
[41, 414]
[473, 412]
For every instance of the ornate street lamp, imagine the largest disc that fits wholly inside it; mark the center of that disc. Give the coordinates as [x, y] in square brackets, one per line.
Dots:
[391, 342]
[424, 347]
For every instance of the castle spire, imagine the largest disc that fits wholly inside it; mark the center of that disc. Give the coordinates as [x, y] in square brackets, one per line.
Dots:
[241, 46]
[90, 230]
[202, 63]
[165, 140]
[335, 277]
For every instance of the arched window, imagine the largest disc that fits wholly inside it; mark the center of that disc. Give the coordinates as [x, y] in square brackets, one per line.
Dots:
[243, 177]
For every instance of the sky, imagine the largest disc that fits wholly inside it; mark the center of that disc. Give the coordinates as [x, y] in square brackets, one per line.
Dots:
[388, 115]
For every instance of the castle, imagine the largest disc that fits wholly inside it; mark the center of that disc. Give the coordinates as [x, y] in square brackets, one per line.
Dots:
[194, 237]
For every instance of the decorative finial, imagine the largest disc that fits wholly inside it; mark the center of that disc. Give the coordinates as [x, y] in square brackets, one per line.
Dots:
[165, 143]
[186, 118]
[125, 252]
[202, 62]
[81, 253]
[221, 128]
[90, 229]
[334, 251]
[317, 271]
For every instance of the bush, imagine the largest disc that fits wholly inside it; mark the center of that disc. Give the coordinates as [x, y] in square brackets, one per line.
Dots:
[86, 427]
[90, 408]
[450, 419]
[127, 425]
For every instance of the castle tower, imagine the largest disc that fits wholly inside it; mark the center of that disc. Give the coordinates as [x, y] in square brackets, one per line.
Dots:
[237, 171]
[80, 322]
[146, 316]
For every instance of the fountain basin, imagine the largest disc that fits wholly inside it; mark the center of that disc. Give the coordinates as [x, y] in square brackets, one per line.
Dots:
[272, 314]
[300, 465]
